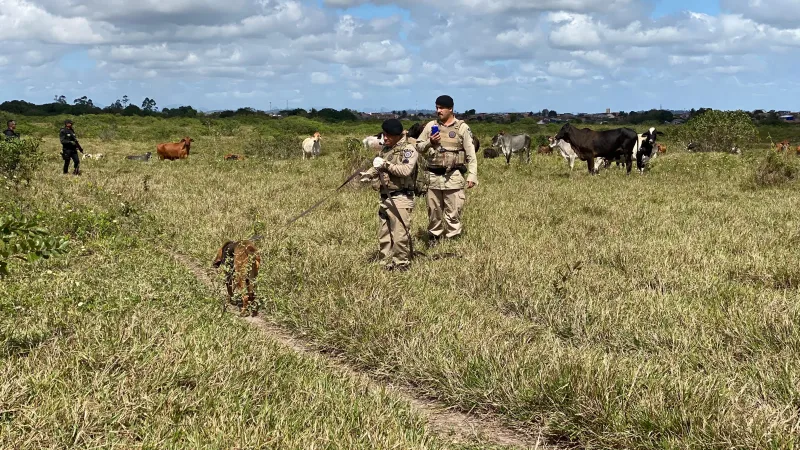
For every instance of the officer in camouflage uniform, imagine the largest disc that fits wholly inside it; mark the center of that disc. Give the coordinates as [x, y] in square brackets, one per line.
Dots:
[69, 147]
[451, 166]
[11, 133]
[394, 175]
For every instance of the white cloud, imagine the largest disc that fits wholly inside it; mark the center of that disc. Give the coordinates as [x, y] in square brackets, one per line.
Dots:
[562, 52]
[321, 78]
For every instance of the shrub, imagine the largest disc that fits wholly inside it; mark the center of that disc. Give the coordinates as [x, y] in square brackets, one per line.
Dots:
[719, 131]
[21, 238]
[271, 147]
[775, 170]
[19, 159]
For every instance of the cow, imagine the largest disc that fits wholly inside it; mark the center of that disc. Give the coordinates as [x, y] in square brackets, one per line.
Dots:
[798, 150]
[232, 157]
[589, 144]
[145, 157]
[544, 150]
[174, 150]
[510, 144]
[311, 145]
[374, 142]
[661, 148]
[490, 152]
[645, 143]
[415, 130]
[782, 146]
[565, 149]
[240, 262]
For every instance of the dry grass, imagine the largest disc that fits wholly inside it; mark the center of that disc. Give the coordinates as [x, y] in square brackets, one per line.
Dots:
[655, 311]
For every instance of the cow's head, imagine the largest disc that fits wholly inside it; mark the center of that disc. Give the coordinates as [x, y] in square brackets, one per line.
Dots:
[496, 140]
[563, 133]
[317, 136]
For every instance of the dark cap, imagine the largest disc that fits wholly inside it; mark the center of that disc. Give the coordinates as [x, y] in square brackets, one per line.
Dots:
[392, 127]
[68, 121]
[445, 101]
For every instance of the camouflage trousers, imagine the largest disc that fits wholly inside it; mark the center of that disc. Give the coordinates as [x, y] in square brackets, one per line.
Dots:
[393, 239]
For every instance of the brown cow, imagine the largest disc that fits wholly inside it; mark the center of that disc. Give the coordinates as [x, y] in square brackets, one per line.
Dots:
[661, 148]
[231, 156]
[544, 150]
[782, 146]
[240, 262]
[798, 150]
[174, 150]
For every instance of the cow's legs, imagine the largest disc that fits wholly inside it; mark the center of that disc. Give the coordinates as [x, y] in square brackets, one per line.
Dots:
[571, 163]
[508, 157]
[590, 164]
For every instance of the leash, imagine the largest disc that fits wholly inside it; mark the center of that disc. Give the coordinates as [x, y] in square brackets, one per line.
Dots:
[313, 207]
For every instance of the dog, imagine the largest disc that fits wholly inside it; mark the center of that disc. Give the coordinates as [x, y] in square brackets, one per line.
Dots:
[91, 156]
[240, 262]
[233, 157]
[144, 157]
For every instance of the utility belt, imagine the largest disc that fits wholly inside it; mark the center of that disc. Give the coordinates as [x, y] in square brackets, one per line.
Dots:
[445, 171]
[406, 192]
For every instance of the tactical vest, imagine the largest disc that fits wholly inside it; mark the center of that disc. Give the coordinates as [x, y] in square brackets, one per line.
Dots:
[396, 155]
[450, 154]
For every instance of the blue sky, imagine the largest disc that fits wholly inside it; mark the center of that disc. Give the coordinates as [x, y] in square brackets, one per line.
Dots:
[504, 55]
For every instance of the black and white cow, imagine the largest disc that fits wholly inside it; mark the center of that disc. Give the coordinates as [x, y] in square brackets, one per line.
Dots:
[647, 150]
[609, 144]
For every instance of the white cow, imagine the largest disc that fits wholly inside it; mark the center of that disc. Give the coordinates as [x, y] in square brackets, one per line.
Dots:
[565, 149]
[374, 142]
[311, 146]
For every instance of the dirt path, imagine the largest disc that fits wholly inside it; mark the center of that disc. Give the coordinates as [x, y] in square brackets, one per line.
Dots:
[450, 425]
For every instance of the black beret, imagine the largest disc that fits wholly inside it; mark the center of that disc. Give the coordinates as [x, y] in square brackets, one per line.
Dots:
[67, 121]
[392, 127]
[445, 101]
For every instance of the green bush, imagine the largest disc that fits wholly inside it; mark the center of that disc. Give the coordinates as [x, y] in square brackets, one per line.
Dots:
[22, 238]
[775, 170]
[719, 131]
[19, 159]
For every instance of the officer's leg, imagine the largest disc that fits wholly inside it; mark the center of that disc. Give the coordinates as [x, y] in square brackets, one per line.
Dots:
[401, 246]
[65, 157]
[453, 206]
[77, 163]
[435, 201]
[384, 235]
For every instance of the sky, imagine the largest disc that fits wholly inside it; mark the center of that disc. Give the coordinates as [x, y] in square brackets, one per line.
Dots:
[498, 55]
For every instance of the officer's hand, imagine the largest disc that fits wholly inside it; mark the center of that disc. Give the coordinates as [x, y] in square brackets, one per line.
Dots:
[470, 184]
[436, 138]
[365, 177]
[378, 162]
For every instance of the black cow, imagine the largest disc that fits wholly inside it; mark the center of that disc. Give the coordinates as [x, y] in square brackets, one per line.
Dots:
[610, 144]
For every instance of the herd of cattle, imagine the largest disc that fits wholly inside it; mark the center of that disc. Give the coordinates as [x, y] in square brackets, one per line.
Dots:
[597, 148]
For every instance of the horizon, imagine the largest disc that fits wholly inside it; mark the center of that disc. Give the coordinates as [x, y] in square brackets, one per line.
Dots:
[510, 57]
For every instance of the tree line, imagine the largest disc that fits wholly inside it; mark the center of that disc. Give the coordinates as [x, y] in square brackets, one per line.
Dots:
[149, 107]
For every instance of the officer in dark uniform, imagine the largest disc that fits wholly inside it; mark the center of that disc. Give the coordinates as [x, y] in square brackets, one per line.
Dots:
[11, 132]
[70, 147]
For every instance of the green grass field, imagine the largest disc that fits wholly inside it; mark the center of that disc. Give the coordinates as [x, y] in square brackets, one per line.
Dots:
[613, 311]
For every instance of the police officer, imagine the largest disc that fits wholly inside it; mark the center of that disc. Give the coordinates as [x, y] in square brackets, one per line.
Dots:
[393, 174]
[451, 166]
[69, 147]
[11, 133]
